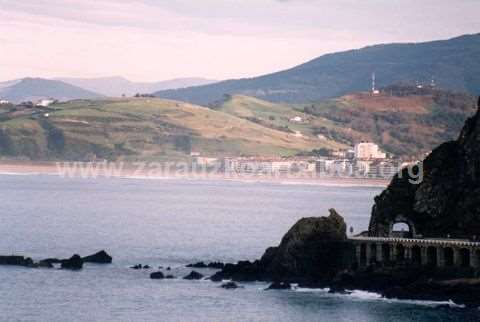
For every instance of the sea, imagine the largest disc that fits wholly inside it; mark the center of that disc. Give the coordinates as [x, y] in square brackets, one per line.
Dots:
[171, 223]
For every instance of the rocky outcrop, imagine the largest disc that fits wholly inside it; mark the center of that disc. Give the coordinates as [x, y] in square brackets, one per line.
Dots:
[74, 263]
[314, 249]
[50, 261]
[157, 276]
[140, 266]
[214, 265]
[197, 265]
[16, 261]
[100, 257]
[193, 276]
[446, 202]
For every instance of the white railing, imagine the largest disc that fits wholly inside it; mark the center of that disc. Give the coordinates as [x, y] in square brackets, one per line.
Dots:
[418, 241]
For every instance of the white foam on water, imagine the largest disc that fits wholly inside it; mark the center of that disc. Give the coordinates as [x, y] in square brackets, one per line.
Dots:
[309, 290]
[371, 296]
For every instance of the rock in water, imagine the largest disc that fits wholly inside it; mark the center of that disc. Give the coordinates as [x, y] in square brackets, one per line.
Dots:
[51, 261]
[100, 258]
[216, 265]
[193, 276]
[157, 275]
[45, 264]
[314, 249]
[197, 265]
[444, 200]
[16, 261]
[75, 262]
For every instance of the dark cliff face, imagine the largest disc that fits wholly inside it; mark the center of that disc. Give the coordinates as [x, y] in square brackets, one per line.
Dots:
[447, 201]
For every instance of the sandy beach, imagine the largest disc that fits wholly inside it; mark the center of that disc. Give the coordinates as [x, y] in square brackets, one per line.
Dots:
[146, 171]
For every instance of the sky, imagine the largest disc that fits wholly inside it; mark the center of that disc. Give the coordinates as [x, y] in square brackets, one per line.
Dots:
[152, 40]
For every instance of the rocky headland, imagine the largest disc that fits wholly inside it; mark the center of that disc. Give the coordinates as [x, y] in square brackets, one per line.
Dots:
[445, 203]
[312, 251]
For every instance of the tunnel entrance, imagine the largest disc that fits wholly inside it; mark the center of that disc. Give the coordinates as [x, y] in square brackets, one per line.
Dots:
[401, 227]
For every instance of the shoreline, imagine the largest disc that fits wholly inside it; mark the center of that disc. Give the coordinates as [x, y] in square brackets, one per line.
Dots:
[132, 172]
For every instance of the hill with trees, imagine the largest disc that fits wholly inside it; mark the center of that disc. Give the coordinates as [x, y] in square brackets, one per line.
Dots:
[453, 63]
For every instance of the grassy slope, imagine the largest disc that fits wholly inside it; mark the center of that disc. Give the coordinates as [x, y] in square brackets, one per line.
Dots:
[145, 128]
[404, 122]
[153, 129]
[409, 125]
[276, 116]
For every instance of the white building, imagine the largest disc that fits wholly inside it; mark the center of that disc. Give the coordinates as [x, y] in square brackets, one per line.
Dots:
[45, 102]
[4, 102]
[296, 119]
[368, 150]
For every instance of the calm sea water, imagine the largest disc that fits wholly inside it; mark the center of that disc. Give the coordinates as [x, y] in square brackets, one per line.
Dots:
[172, 223]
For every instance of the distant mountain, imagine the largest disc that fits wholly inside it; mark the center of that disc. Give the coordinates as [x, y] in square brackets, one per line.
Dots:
[453, 63]
[117, 86]
[33, 89]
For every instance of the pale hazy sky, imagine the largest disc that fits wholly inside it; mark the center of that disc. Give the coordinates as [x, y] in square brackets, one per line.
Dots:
[161, 39]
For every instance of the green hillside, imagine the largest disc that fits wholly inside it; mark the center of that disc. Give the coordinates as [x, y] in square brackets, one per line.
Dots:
[274, 115]
[139, 129]
[403, 120]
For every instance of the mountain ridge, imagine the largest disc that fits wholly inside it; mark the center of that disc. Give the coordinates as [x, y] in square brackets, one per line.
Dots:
[451, 62]
[34, 89]
[116, 86]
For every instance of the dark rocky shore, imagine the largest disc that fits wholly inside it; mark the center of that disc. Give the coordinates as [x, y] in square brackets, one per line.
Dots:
[315, 252]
